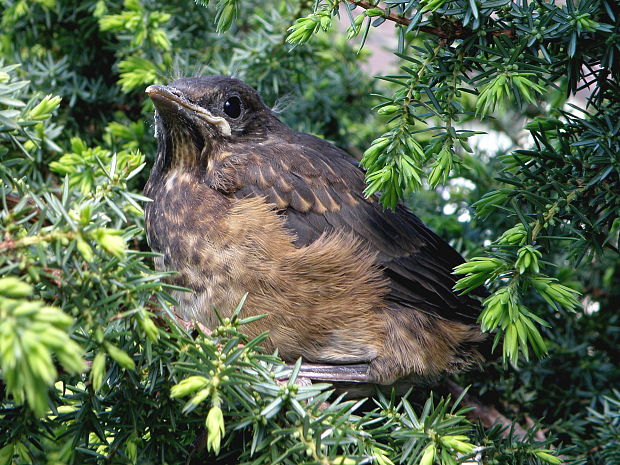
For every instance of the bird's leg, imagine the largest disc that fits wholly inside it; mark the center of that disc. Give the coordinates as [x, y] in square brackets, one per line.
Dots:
[346, 374]
[335, 373]
[190, 325]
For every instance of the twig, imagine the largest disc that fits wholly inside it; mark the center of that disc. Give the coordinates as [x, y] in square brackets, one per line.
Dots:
[55, 275]
[489, 415]
[456, 32]
[12, 200]
[10, 244]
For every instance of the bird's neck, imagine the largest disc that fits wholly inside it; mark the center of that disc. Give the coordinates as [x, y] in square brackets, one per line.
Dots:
[181, 150]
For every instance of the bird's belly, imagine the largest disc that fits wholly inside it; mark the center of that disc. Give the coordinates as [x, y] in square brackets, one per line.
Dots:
[320, 301]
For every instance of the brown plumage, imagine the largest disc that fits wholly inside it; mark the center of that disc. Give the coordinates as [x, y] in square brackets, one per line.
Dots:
[241, 203]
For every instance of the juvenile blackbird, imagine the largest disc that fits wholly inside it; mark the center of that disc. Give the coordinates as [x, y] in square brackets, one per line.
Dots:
[242, 203]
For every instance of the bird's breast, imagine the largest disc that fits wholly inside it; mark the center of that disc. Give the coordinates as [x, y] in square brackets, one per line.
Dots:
[185, 223]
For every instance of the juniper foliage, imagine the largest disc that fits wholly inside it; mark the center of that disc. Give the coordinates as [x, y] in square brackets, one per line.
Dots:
[94, 366]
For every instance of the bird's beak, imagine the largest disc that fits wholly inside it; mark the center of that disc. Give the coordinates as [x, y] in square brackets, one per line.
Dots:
[169, 100]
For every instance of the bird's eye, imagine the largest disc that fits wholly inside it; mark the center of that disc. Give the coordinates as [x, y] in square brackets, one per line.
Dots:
[232, 107]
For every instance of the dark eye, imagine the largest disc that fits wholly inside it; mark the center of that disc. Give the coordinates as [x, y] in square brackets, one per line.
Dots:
[232, 107]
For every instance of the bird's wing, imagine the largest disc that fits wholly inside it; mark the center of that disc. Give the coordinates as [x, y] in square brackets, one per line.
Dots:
[319, 188]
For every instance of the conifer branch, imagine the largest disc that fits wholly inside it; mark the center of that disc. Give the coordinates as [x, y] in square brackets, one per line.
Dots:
[457, 31]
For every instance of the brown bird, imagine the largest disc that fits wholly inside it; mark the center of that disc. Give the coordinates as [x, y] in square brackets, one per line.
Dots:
[242, 203]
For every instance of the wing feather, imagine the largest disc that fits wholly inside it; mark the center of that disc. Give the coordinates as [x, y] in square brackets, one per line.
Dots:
[318, 188]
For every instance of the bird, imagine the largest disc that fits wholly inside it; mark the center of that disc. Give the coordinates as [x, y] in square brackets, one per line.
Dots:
[243, 204]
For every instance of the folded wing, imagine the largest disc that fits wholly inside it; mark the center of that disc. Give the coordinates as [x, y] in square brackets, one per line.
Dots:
[318, 187]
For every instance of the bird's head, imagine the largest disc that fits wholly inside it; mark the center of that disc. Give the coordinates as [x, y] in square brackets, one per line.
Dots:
[197, 117]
